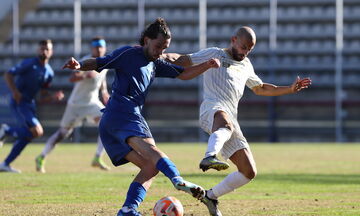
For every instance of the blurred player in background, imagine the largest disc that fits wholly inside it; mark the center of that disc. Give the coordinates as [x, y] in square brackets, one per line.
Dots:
[84, 103]
[123, 130]
[32, 75]
[223, 88]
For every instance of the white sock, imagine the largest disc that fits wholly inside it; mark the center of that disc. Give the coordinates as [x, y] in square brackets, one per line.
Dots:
[125, 209]
[217, 140]
[50, 143]
[211, 194]
[230, 183]
[59, 135]
[100, 148]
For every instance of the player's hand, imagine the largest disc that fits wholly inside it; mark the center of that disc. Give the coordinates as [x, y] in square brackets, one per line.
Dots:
[300, 84]
[17, 96]
[72, 63]
[58, 96]
[214, 63]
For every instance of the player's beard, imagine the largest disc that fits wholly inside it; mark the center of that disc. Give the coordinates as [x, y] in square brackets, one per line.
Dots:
[148, 54]
[42, 57]
[237, 56]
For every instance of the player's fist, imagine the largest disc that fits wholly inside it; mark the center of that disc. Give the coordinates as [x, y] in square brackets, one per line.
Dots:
[58, 96]
[214, 63]
[72, 63]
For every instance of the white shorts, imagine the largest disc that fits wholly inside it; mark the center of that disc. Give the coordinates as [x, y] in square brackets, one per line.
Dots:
[237, 140]
[75, 114]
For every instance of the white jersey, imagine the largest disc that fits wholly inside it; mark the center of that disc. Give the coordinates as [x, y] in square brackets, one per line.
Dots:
[86, 91]
[224, 86]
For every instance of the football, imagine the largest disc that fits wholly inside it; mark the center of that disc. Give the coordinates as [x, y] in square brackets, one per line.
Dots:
[168, 206]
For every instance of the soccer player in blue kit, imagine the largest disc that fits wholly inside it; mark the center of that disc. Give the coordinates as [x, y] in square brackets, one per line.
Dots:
[33, 75]
[123, 130]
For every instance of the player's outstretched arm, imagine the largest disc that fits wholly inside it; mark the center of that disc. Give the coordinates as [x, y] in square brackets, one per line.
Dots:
[77, 76]
[177, 59]
[88, 64]
[194, 71]
[46, 97]
[268, 89]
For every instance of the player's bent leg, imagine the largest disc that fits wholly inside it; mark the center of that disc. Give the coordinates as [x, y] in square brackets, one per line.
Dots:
[147, 148]
[221, 132]
[246, 172]
[16, 150]
[245, 163]
[140, 185]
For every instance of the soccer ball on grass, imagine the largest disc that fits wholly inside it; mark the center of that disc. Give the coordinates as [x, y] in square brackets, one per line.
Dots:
[168, 206]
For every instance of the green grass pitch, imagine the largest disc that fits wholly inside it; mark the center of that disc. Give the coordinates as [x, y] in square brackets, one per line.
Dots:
[293, 179]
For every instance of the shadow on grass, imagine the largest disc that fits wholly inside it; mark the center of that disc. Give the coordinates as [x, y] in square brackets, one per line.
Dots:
[295, 178]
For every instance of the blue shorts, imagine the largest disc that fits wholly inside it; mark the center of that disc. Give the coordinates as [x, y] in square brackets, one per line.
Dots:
[115, 128]
[25, 113]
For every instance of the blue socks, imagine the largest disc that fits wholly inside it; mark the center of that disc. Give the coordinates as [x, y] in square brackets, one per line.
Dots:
[135, 195]
[166, 166]
[23, 136]
[137, 192]
[17, 148]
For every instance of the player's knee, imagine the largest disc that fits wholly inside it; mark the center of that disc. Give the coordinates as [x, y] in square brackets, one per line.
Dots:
[37, 132]
[153, 154]
[250, 173]
[229, 126]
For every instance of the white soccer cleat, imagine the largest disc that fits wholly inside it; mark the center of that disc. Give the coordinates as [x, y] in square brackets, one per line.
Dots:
[6, 168]
[195, 190]
[3, 127]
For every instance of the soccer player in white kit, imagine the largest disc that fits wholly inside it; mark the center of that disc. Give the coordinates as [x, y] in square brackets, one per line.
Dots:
[223, 88]
[84, 103]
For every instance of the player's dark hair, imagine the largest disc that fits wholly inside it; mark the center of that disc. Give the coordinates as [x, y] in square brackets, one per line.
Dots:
[97, 38]
[159, 26]
[45, 42]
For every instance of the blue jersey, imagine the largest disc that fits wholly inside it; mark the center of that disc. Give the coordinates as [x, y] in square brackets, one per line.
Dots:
[134, 75]
[31, 76]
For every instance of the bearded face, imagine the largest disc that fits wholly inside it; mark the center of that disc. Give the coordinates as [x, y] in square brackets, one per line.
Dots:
[241, 47]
